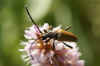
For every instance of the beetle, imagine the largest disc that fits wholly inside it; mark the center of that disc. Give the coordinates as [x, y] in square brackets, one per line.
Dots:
[60, 34]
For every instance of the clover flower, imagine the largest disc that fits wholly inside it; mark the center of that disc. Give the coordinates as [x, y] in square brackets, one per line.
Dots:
[39, 53]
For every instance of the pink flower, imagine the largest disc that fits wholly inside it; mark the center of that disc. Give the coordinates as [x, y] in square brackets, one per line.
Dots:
[40, 53]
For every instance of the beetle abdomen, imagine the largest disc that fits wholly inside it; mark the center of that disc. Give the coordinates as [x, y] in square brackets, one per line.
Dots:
[66, 36]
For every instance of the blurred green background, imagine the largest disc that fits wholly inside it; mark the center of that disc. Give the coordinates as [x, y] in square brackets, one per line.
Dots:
[83, 15]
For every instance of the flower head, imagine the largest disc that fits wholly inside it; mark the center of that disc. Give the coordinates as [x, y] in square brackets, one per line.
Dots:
[38, 52]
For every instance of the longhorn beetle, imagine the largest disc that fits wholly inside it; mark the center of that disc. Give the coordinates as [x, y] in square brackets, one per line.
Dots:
[60, 34]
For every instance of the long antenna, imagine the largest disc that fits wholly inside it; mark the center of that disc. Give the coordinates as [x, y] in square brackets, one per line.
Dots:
[68, 28]
[32, 19]
[30, 16]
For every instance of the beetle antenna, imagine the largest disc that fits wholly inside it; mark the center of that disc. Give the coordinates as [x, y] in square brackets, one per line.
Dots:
[32, 19]
[30, 16]
[68, 28]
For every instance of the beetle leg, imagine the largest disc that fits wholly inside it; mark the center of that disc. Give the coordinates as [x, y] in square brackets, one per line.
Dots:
[67, 45]
[47, 40]
[30, 50]
[53, 44]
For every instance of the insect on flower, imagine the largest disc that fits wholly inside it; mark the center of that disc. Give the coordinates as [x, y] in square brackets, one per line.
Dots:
[60, 34]
[48, 46]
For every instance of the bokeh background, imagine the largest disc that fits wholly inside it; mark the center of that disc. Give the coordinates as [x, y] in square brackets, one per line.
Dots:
[82, 15]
